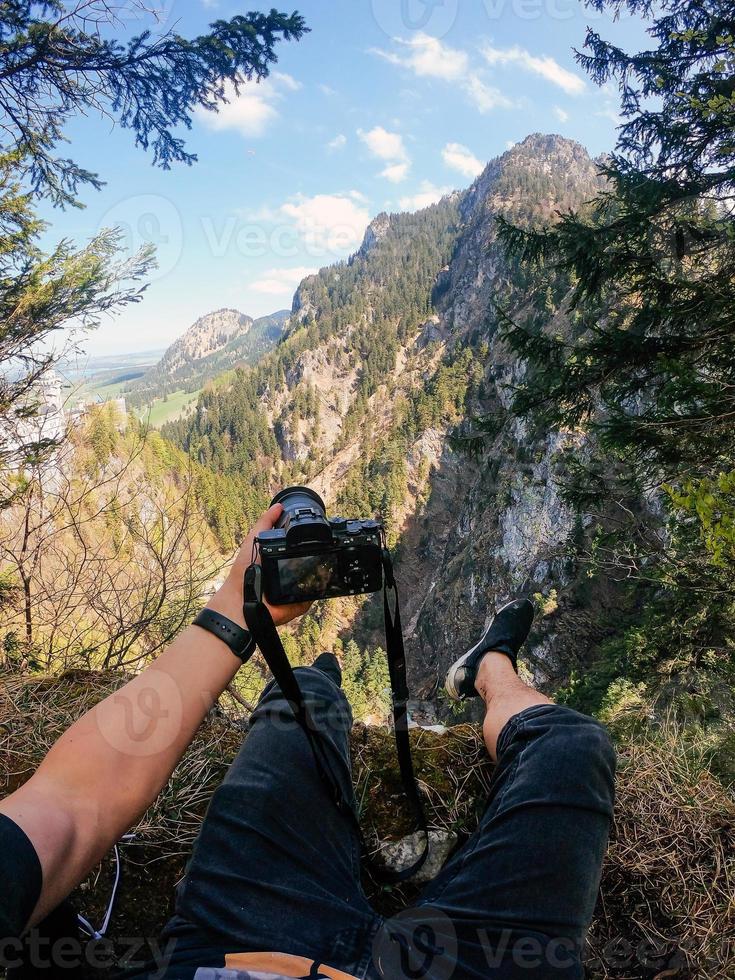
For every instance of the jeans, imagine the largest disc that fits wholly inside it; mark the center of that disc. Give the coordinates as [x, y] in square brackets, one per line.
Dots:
[276, 866]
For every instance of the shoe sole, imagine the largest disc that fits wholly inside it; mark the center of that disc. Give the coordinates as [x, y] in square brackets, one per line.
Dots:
[450, 681]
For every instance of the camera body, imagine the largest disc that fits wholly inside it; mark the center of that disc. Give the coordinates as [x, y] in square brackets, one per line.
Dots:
[310, 556]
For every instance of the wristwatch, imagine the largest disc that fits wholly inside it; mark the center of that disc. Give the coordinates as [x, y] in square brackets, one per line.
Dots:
[237, 639]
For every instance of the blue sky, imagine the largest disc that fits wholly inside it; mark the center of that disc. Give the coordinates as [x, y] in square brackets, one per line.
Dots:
[384, 105]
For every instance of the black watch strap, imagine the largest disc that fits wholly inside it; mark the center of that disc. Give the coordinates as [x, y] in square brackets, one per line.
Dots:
[237, 639]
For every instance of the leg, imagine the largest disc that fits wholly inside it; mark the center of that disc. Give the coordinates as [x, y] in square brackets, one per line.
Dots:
[516, 901]
[276, 866]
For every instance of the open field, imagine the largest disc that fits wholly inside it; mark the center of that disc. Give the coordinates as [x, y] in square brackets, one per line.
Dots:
[165, 411]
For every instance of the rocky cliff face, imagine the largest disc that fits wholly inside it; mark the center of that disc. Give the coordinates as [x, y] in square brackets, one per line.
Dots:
[496, 526]
[475, 531]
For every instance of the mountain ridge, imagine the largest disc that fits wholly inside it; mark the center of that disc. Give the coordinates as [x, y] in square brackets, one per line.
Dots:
[208, 334]
[388, 358]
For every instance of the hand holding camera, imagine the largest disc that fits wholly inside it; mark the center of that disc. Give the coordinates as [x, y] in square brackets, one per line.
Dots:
[305, 556]
[228, 599]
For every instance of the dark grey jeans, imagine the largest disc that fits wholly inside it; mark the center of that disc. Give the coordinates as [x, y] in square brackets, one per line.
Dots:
[276, 867]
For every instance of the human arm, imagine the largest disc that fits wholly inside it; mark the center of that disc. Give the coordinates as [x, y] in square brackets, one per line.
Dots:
[110, 765]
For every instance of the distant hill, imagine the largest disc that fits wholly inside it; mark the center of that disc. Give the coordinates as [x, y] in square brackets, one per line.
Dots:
[216, 342]
[207, 335]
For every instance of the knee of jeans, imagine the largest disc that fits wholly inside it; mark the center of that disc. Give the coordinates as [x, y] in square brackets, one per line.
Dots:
[318, 683]
[326, 702]
[324, 697]
[585, 744]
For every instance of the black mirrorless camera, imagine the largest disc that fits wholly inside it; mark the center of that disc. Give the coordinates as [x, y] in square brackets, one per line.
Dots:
[310, 556]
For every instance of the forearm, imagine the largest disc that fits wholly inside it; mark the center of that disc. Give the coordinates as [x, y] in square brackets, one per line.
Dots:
[106, 769]
[123, 751]
[110, 765]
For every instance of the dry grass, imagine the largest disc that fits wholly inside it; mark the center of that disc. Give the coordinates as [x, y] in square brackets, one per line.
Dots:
[667, 905]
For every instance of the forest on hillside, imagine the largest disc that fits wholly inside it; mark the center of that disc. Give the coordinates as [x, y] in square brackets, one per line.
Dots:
[530, 381]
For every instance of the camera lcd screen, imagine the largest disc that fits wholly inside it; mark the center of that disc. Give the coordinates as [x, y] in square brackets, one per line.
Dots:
[308, 575]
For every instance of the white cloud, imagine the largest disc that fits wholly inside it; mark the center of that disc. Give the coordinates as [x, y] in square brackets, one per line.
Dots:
[486, 97]
[561, 114]
[544, 66]
[389, 147]
[426, 195]
[326, 89]
[459, 158]
[338, 142]
[396, 172]
[384, 144]
[328, 222]
[250, 110]
[428, 57]
[286, 80]
[279, 282]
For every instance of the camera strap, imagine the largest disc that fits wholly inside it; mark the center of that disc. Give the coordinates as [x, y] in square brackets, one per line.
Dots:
[263, 629]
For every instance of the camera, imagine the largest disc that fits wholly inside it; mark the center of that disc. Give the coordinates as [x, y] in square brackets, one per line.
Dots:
[310, 556]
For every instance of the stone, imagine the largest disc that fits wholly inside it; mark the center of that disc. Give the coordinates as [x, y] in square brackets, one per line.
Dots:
[401, 854]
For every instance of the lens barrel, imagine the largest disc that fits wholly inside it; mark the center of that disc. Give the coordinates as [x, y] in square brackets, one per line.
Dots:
[304, 515]
[293, 497]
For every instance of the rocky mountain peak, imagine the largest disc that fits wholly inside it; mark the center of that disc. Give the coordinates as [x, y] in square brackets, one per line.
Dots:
[206, 335]
[375, 232]
[550, 147]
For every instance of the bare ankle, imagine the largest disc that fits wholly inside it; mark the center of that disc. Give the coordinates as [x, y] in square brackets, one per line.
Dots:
[495, 673]
[504, 694]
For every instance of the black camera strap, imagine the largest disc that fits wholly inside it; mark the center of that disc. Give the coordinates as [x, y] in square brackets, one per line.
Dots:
[399, 693]
[263, 629]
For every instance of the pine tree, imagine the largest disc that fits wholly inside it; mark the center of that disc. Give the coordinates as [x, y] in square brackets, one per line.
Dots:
[39, 296]
[56, 63]
[650, 365]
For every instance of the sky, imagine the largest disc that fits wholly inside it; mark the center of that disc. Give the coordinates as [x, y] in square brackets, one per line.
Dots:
[385, 105]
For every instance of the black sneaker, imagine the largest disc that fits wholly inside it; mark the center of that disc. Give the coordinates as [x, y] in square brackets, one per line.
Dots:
[506, 634]
[329, 665]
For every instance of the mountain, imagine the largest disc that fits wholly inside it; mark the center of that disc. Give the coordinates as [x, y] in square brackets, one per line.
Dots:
[215, 343]
[389, 395]
[208, 334]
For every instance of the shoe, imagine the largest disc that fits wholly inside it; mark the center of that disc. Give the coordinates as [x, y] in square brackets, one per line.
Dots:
[506, 634]
[329, 665]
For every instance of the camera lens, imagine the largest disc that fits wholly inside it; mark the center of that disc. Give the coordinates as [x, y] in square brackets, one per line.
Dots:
[304, 516]
[293, 497]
